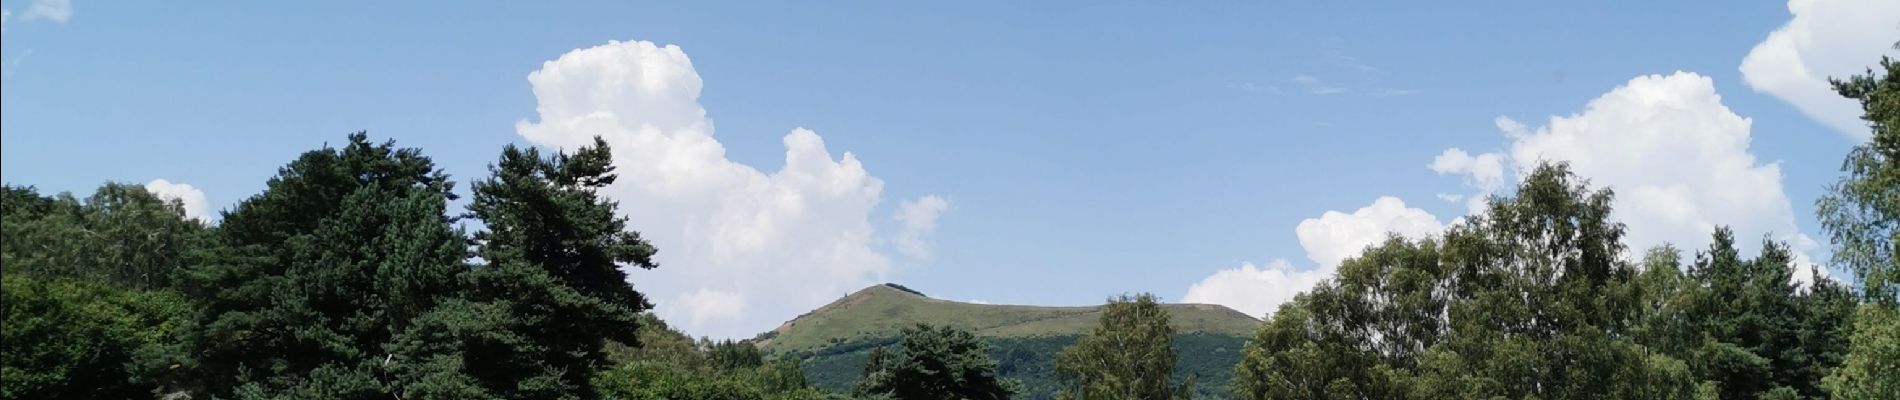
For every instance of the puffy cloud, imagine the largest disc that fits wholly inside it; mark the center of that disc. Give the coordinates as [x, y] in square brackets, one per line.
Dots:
[192, 198]
[1484, 171]
[52, 10]
[1336, 236]
[1254, 290]
[1328, 241]
[1677, 158]
[1825, 38]
[740, 249]
[918, 220]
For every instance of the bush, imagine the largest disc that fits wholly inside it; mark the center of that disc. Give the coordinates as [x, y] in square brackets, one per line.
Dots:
[70, 339]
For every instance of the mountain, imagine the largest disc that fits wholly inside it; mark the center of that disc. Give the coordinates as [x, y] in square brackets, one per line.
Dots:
[834, 340]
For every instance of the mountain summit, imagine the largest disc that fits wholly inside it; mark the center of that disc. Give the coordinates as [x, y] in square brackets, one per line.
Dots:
[833, 339]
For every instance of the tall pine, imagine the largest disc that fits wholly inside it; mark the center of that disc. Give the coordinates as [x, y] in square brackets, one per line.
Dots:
[338, 254]
[549, 294]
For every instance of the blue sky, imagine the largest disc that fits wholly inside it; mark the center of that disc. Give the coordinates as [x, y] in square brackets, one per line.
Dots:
[1061, 152]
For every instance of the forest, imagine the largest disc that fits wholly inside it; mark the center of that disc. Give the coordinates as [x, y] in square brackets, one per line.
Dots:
[349, 277]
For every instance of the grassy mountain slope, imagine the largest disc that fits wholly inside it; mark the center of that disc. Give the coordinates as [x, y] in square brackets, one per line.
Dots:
[883, 310]
[834, 340]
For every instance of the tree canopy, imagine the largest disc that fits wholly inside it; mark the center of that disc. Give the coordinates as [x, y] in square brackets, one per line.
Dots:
[1533, 299]
[1128, 356]
[935, 363]
[1861, 213]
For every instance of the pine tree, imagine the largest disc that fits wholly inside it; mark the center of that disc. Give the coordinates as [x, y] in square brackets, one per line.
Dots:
[341, 252]
[549, 295]
[935, 363]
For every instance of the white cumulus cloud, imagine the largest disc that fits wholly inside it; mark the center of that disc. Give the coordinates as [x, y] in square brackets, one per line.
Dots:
[1677, 158]
[1825, 38]
[1483, 171]
[1336, 236]
[192, 198]
[1253, 290]
[1328, 241]
[741, 249]
[918, 220]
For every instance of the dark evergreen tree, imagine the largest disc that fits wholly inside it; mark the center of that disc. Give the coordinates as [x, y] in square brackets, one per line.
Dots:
[1752, 332]
[729, 355]
[1825, 318]
[550, 294]
[935, 363]
[342, 251]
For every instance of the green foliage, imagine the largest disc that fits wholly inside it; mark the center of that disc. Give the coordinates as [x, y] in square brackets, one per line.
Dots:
[1128, 356]
[68, 339]
[1528, 300]
[669, 366]
[1540, 304]
[323, 270]
[89, 309]
[1208, 358]
[1861, 212]
[1873, 363]
[1743, 326]
[653, 382]
[728, 355]
[538, 315]
[1321, 345]
[661, 344]
[1531, 300]
[935, 363]
[121, 234]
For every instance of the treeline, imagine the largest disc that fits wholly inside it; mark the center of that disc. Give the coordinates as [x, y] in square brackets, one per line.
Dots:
[347, 278]
[1537, 298]
[1534, 299]
[1031, 361]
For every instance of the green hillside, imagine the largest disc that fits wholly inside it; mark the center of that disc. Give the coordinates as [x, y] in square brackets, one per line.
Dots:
[834, 340]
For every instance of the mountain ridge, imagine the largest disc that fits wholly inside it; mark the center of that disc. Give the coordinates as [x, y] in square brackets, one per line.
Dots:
[832, 342]
[884, 309]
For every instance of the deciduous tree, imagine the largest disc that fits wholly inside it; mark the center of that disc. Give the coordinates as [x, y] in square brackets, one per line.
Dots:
[1128, 356]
